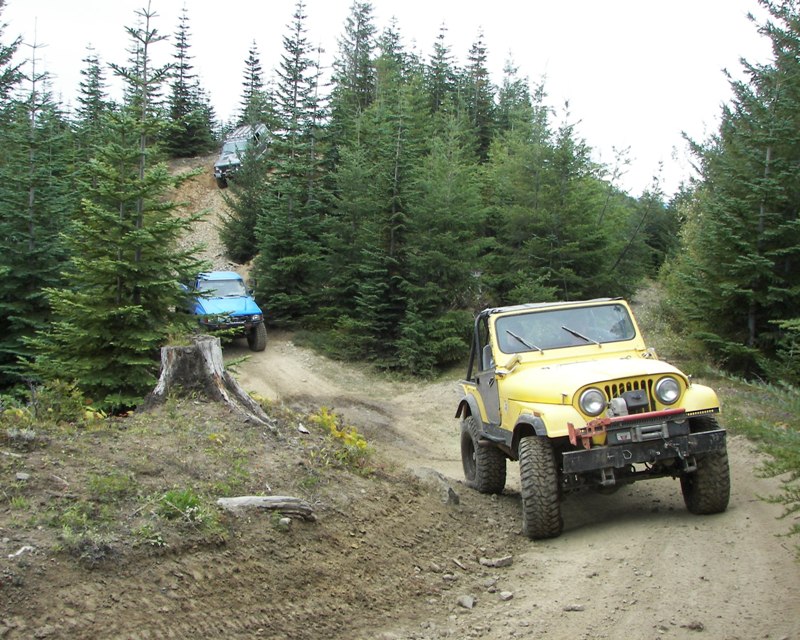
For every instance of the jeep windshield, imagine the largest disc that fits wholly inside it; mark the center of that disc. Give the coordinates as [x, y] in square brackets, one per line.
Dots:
[565, 327]
[222, 288]
[235, 146]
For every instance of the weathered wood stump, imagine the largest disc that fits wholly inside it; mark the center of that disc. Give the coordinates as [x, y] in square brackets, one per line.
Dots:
[198, 369]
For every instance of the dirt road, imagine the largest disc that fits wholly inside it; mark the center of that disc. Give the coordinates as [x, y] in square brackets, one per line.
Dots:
[634, 564]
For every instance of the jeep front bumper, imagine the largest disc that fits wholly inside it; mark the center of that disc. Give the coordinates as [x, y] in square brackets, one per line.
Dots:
[650, 438]
[652, 451]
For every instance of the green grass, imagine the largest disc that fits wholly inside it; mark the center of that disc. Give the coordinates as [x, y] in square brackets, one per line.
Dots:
[770, 417]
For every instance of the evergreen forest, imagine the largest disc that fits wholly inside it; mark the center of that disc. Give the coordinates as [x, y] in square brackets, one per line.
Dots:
[397, 197]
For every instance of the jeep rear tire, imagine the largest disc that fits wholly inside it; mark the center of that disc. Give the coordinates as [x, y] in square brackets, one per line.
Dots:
[257, 337]
[538, 475]
[484, 466]
[707, 490]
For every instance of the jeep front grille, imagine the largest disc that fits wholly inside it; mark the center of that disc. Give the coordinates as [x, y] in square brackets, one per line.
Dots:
[616, 389]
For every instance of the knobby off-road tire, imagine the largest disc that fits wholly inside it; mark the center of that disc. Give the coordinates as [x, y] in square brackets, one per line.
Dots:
[257, 337]
[707, 490]
[484, 467]
[538, 475]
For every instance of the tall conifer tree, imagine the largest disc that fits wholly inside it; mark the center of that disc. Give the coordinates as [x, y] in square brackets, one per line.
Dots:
[119, 303]
[354, 71]
[441, 75]
[479, 96]
[9, 72]
[368, 257]
[191, 116]
[289, 226]
[37, 194]
[93, 101]
[257, 103]
[738, 272]
[514, 105]
[444, 222]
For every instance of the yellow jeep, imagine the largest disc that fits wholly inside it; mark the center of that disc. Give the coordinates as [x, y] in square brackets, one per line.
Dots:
[570, 390]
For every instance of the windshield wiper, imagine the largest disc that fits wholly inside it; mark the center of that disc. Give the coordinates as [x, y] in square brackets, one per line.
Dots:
[523, 341]
[579, 335]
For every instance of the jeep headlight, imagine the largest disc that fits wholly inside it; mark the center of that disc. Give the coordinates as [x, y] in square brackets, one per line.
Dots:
[256, 317]
[668, 390]
[592, 402]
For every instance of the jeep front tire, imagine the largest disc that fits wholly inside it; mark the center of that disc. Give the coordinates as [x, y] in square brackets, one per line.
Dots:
[484, 466]
[707, 490]
[538, 475]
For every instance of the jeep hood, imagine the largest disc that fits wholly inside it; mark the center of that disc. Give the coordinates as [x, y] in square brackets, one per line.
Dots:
[224, 306]
[551, 383]
[228, 160]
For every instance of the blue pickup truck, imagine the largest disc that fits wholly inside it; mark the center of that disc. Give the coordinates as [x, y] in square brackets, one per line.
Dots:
[222, 302]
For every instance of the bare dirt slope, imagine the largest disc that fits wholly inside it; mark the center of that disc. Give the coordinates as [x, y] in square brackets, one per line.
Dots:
[634, 564]
[199, 194]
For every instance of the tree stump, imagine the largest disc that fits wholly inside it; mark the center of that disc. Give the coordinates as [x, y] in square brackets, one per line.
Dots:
[199, 369]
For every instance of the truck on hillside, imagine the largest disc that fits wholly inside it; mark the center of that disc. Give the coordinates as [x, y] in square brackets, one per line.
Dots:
[234, 149]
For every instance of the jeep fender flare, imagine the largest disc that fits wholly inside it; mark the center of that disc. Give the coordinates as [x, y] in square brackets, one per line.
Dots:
[527, 425]
[468, 407]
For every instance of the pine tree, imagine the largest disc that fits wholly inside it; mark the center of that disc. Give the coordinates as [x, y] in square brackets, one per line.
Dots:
[479, 96]
[367, 241]
[445, 217]
[517, 176]
[255, 103]
[37, 194]
[191, 115]
[94, 106]
[354, 71]
[93, 100]
[391, 67]
[737, 275]
[289, 225]
[9, 72]
[244, 198]
[441, 76]
[119, 303]
[514, 104]
[547, 198]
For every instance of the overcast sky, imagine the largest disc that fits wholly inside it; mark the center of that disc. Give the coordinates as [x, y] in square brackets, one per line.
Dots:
[636, 73]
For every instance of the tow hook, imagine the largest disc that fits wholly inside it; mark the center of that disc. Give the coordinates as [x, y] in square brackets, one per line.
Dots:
[688, 462]
[607, 478]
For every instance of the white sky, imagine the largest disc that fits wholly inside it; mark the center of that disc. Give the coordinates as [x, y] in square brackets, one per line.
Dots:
[636, 73]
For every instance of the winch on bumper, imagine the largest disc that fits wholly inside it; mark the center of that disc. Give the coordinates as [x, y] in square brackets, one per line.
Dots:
[646, 438]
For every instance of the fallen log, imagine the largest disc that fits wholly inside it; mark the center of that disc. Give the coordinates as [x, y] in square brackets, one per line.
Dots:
[286, 505]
